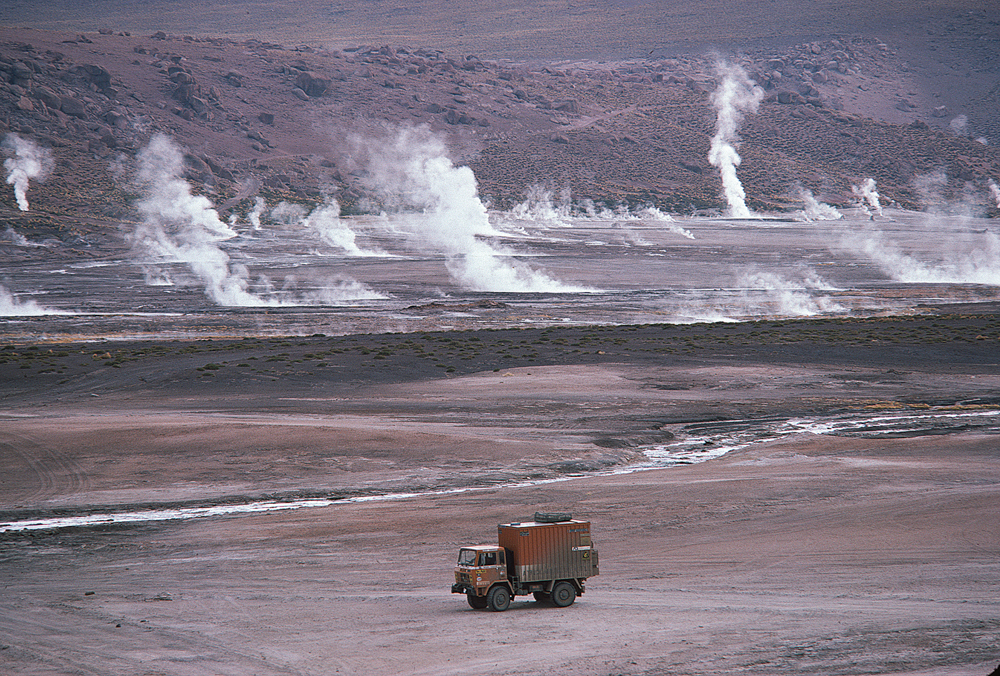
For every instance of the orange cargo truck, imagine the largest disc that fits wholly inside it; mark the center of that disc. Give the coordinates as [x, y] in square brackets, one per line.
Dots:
[550, 557]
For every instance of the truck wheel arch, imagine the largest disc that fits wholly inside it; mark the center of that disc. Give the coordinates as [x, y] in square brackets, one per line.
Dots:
[563, 594]
[498, 597]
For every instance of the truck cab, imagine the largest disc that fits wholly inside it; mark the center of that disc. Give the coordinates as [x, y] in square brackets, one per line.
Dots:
[479, 568]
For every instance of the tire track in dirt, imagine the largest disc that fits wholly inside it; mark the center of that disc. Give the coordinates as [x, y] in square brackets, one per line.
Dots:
[35, 472]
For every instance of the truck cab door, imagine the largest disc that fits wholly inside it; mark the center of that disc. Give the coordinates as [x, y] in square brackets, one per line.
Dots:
[493, 565]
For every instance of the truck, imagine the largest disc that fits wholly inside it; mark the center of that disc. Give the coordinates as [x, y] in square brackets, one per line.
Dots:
[549, 557]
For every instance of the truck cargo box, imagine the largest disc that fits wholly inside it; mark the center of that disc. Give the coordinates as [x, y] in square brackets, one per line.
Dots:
[548, 551]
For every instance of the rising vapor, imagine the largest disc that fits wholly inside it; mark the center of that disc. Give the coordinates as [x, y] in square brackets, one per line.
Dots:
[413, 172]
[30, 162]
[975, 265]
[815, 210]
[181, 227]
[11, 306]
[326, 223]
[869, 197]
[784, 296]
[253, 216]
[995, 191]
[737, 94]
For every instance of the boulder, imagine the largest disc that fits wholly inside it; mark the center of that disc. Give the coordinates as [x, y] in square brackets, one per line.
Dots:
[48, 97]
[185, 92]
[570, 106]
[21, 73]
[73, 107]
[217, 168]
[452, 116]
[195, 167]
[257, 136]
[787, 97]
[116, 119]
[198, 105]
[96, 75]
[311, 84]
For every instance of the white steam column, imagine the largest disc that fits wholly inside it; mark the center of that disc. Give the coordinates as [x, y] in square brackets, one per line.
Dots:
[737, 94]
[29, 162]
[869, 197]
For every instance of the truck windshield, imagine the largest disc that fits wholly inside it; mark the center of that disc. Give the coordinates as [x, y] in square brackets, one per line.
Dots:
[467, 557]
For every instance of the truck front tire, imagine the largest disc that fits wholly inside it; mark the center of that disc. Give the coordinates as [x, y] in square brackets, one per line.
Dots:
[563, 594]
[498, 599]
[477, 602]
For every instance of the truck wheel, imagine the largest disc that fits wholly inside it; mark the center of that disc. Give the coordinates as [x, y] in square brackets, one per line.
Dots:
[542, 597]
[477, 602]
[498, 599]
[563, 594]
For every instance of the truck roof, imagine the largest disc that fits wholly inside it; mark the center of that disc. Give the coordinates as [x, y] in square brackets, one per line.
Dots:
[519, 524]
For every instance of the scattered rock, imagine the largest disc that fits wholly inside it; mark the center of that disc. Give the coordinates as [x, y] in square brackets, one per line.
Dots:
[235, 78]
[570, 106]
[217, 168]
[73, 107]
[48, 97]
[311, 84]
[94, 74]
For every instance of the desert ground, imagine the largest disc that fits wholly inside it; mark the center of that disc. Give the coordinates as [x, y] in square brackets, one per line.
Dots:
[868, 550]
[189, 488]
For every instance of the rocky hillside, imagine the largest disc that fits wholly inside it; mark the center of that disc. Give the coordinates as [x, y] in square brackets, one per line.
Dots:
[260, 119]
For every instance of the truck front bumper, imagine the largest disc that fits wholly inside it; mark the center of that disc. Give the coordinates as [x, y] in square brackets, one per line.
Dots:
[462, 588]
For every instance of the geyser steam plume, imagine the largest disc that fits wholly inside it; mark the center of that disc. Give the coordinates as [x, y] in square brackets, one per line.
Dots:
[414, 173]
[184, 227]
[10, 306]
[179, 226]
[869, 197]
[814, 209]
[995, 191]
[737, 94]
[29, 162]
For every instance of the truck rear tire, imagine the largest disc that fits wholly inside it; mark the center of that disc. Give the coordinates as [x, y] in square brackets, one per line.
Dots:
[498, 599]
[477, 602]
[563, 594]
